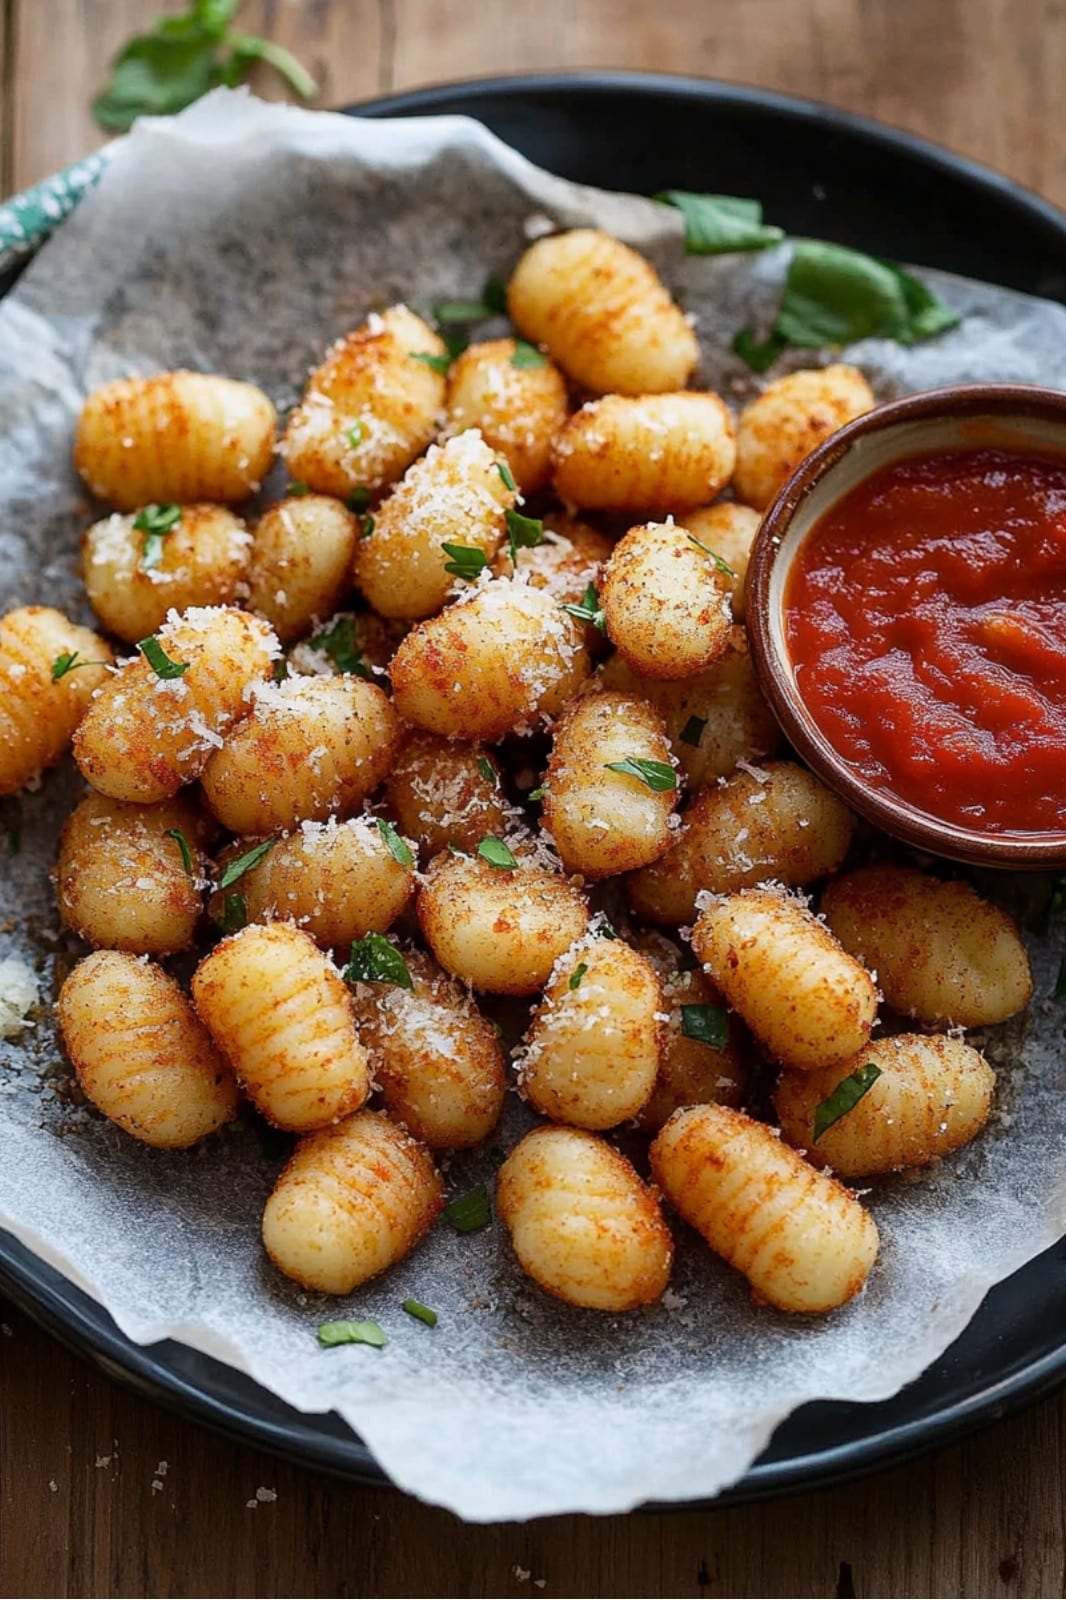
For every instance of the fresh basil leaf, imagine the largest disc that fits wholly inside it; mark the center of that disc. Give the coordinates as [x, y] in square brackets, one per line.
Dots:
[183, 845]
[692, 732]
[341, 643]
[469, 1212]
[536, 794]
[159, 661]
[527, 355]
[723, 566]
[706, 1024]
[577, 975]
[438, 363]
[334, 1333]
[759, 355]
[658, 776]
[374, 959]
[716, 224]
[835, 296]
[844, 1098]
[523, 533]
[466, 560]
[456, 340]
[399, 850]
[496, 853]
[156, 74]
[243, 864]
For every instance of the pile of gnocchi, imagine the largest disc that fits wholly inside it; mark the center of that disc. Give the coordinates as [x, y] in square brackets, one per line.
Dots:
[467, 714]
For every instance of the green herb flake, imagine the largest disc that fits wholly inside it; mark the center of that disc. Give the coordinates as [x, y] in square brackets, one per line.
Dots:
[844, 1098]
[68, 661]
[159, 661]
[589, 610]
[183, 845]
[537, 794]
[155, 522]
[523, 533]
[835, 296]
[341, 644]
[706, 1024]
[487, 770]
[494, 296]
[234, 913]
[469, 1212]
[719, 224]
[334, 1333]
[496, 853]
[527, 355]
[758, 354]
[506, 474]
[399, 850]
[437, 363]
[466, 560]
[359, 498]
[421, 1313]
[658, 776]
[354, 435]
[375, 959]
[723, 566]
[577, 975]
[461, 311]
[692, 732]
[297, 490]
[243, 864]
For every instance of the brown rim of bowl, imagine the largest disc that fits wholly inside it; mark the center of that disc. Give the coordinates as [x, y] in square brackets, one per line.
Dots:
[1022, 851]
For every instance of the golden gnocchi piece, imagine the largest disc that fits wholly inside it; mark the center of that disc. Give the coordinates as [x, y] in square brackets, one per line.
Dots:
[142, 1055]
[444, 793]
[176, 436]
[338, 881]
[605, 821]
[659, 452]
[41, 704]
[457, 495]
[146, 732]
[791, 417]
[692, 1071]
[665, 602]
[135, 576]
[801, 1239]
[714, 719]
[582, 1223]
[281, 1014]
[436, 1060]
[807, 1001]
[311, 748]
[941, 953]
[603, 313]
[300, 562]
[774, 822]
[567, 559]
[352, 1201]
[933, 1096]
[369, 409]
[591, 1055]
[501, 660]
[728, 529]
[500, 930]
[121, 879]
[518, 406]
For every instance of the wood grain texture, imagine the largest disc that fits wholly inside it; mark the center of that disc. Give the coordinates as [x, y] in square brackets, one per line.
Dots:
[85, 1505]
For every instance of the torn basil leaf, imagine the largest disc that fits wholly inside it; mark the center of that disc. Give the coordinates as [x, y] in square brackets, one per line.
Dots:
[844, 1098]
[717, 224]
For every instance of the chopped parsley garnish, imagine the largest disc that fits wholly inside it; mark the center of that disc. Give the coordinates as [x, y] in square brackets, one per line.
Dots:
[354, 435]
[421, 1313]
[243, 864]
[155, 522]
[398, 848]
[523, 533]
[659, 776]
[537, 794]
[487, 770]
[723, 566]
[506, 474]
[577, 975]
[844, 1098]
[466, 560]
[469, 1212]
[705, 1024]
[527, 355]
[359, 498]
[183, 845]
[68, 662]
[496, 853]
[588, 610]
[717, 224]
[375, 959]
[234, 913]
[158, 660]
[297, 489]
[340, 643]
[692, 732]
[438, 363]
[462, 311]
[333, 1333]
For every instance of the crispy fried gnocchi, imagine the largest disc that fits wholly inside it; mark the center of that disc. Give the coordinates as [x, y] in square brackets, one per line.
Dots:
[774, 822]
[694, 1068]
[655, 452]
[788, 420]
[311, 748]
[603, 313]
[300, 562]
[591, 1055]
[604, 820]
[456, 495]
[443, 793]
[500, 930]
[435, 1058]
[933, 1096]
[807, 1001]
[516, 399]
[155, 722]
[370, 409]
[352, 1201]
[281, 1014]
[174, 437]
[142, 1055]
[665, 602]
[139, 567]
[131, 877]
[728, 529]
[802, 1240]
[582, 1223]
[941, 953]
[500, 660]
[50, 668]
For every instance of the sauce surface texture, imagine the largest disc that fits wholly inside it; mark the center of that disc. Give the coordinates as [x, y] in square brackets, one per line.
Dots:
[926, 622]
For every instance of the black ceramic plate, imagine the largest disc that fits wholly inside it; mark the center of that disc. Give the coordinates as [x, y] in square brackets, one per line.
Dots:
[838, 177]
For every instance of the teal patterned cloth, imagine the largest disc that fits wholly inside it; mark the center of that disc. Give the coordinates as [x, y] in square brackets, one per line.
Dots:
[28, 219]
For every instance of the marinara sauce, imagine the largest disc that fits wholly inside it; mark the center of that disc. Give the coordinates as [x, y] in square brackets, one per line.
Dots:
[926, 622]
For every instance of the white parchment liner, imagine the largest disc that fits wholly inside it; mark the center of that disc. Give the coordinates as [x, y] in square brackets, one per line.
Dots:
[241, 237]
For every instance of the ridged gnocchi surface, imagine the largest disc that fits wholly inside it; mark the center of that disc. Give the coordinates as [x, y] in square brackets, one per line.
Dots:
[134, 577]
[942, 954]
[443, 792]
[665, 602]
[300, 562]
[517, 401]
[582, 1223]
[176, 436]
[352, 1201]
[145, 735]
[692, 1070]
[39, 712]
[801, 1239]
[651, 452]
[807, 1001]
[933, 1095]
[603, 313]
[791, 417]
[281, 1014]
[141, 1054]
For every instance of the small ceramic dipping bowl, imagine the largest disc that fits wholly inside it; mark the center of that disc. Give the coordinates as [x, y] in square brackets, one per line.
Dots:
[1004, 417]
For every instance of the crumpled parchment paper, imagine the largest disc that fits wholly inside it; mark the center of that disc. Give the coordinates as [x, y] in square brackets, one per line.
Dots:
[242, 237]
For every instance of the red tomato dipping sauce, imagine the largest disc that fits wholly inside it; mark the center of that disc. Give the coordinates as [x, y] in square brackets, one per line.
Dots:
[925, 619]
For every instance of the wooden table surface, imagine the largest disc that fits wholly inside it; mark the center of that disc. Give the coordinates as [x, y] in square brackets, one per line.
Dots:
[103, 1494]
